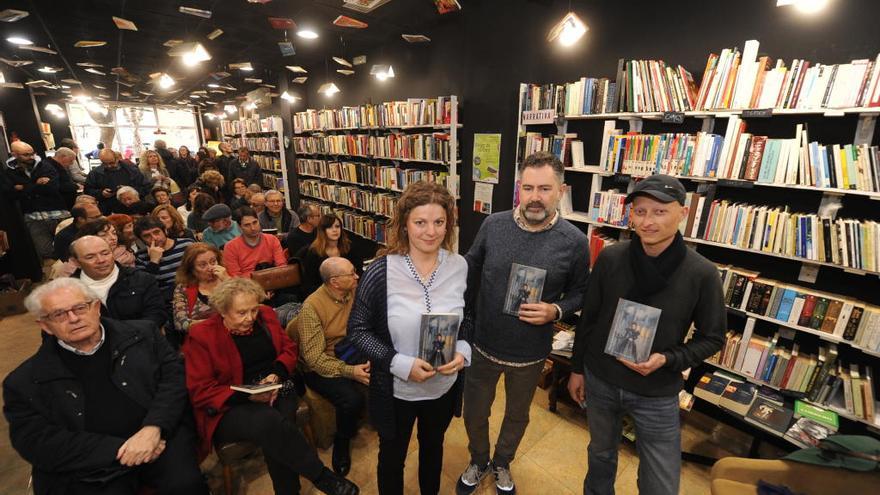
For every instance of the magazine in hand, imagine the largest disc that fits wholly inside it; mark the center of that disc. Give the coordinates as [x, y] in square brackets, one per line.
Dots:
[632, 331]
[438, 333]
[525, 286]
[257, 388]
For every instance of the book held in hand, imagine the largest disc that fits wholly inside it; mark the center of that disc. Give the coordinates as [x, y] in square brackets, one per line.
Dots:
[632, 331]
[257, 388]
[525, 286]
[438, 333]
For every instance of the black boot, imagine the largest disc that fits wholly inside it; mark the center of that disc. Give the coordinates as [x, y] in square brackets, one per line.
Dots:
[333, 484]
[341, 455]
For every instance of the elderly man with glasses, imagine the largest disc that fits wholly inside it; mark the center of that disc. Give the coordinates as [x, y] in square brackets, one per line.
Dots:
[99, 409]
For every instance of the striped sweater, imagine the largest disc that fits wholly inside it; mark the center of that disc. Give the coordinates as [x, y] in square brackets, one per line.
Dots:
[166, 268]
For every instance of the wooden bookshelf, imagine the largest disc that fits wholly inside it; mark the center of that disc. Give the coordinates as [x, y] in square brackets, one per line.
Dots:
[238, 131]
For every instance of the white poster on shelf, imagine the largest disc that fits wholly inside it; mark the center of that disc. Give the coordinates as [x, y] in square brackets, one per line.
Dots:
[483, 197]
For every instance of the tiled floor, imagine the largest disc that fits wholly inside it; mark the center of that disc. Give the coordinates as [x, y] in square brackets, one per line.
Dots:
[551, 457]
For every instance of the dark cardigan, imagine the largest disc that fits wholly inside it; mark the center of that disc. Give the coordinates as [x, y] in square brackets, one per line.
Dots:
[368, 330]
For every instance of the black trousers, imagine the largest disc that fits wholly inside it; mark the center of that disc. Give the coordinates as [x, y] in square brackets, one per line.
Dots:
[433, 417]
[175, 472]
[343, 393]
[274, 429]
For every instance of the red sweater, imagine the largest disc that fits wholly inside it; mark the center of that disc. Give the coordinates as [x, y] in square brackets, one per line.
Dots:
[213, 364]
[241, 259]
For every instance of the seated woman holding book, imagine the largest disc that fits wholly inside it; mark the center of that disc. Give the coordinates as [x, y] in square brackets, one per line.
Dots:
[393, 329]
[243, 344]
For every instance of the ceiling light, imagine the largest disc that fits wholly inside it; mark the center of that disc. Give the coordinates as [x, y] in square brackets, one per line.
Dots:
[251, 106]
[288, 97]
[96, 108]
[53, 107]
[18, 40]
[568, 30]
[210, 116]
[804, 6]
[190, 53]
[230, 109]
[307, 34]
[213, 85]
[329, 89]
[165, 81]
[382, 72]
[49, 70]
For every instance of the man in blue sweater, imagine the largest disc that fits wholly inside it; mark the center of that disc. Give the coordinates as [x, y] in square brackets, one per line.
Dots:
[531, 244]
[655, 269]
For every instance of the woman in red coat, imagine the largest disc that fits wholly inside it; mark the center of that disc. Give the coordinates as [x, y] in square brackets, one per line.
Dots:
[243, 343]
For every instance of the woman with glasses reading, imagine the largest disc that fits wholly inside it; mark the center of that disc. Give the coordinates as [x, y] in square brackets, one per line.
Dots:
[417, 282]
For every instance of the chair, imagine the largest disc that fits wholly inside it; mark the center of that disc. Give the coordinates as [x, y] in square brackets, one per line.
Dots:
[230, 454]
[740, 476]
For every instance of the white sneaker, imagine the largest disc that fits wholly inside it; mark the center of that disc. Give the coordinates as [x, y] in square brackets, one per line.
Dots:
[503, 481]
[470, 479]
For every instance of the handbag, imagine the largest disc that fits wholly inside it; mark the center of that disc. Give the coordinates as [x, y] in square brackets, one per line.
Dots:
[278, 277]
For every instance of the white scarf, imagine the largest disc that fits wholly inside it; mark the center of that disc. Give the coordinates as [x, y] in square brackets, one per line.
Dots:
[101, 287]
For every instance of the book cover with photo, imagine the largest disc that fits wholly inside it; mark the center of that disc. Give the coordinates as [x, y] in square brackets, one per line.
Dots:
[438, 333]
[524, 286]
[632, 331]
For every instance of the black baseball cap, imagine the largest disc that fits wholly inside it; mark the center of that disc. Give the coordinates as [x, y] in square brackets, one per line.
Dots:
[661, 187]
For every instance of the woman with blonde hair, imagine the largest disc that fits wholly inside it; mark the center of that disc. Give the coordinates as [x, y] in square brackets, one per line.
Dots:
[173, 222]
[211, 182]
[427, 277]
[154, 170]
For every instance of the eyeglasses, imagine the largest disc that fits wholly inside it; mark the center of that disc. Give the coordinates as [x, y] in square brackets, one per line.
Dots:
[62, 315]
[352, 274]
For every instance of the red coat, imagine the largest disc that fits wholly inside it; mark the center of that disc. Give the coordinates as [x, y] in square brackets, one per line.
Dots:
[213, 364]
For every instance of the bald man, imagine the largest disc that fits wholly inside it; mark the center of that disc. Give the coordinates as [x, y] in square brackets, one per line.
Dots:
[35, 184]
[105, 180]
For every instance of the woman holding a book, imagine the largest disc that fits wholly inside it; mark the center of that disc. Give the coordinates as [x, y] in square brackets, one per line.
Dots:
[392, 328]
[243, 345]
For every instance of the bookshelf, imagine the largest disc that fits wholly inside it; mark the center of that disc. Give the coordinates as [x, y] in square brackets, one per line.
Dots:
[359, 159]
[659, 122]
[264, 138]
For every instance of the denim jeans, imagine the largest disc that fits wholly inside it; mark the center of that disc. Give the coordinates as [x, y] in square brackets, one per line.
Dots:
[658, 438]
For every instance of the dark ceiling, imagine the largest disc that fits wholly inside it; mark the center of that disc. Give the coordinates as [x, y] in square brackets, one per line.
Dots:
[247, 37]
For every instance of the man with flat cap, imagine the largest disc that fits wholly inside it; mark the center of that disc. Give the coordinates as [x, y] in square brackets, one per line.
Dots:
[653, 271]
[221, 227]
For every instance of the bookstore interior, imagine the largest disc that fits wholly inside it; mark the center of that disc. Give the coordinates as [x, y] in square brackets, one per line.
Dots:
[649, 203]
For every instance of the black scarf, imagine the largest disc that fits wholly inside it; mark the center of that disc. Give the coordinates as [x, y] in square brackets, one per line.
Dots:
[652, 273]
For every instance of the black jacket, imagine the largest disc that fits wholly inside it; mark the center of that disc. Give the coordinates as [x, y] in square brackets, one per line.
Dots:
[66, 187]
[251, 172]
[99, 179]
[289, 221]
[134, 296]
[44, 404]
[184, 172]
[33, 197]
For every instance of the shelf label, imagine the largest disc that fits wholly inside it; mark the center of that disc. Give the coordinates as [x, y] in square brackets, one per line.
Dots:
[808, 273]
[539, 117]
[757, 113]
[672, 118]
[742, 184]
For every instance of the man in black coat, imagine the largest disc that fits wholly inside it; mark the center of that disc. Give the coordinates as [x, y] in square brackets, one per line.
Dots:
[126, 293]
[105, 180]
[100, 407]
[245, 168]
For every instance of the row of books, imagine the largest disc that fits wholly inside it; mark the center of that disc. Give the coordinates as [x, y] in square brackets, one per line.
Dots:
[427, 147]
[845, 318]
[412, 112]
[237, 127]
[354, 197]
[737, 79]
[357, 223]
[569, 150]
[754, 158]
[846, 242]
[598, 241]
[608, 207]
[384, 176]
[256, 143]
[589, 95]
[273, 181]
[652, 86]
[268, 162]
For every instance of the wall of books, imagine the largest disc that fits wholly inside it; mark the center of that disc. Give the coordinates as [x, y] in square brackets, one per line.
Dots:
[357, 161]
[264, 139]
[782, 168]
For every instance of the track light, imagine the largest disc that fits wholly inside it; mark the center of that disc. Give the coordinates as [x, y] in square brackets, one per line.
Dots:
[568, 31]
[329, 89]
[307, 34]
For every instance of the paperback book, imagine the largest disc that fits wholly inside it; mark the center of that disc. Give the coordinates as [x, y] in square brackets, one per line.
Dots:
[257, 388]
[438, 333]
[525, 286]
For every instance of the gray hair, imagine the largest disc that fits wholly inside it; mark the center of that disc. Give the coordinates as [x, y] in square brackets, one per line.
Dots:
[85, 198]
[273, 191]
[127, 189]
[34, 301]
[62, 152]
[304, 211]
[221, 297]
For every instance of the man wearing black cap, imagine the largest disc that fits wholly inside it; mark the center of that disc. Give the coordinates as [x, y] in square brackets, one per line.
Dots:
[221, 227]
[653, 269]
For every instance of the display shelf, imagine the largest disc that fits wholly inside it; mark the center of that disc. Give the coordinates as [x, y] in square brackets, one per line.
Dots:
[827, 112]
[330, 202]
[359, 184]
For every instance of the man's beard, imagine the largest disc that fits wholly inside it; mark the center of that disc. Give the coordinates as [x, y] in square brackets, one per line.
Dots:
[534, 218]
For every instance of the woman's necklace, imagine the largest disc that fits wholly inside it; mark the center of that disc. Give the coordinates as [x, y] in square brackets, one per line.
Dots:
[425, 282]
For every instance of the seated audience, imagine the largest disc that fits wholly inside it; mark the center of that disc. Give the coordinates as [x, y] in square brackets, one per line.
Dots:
[174, 227]
[199, 273]
[129, 202]
[187, 206]
[211, 183]
[160, 196]
[86, 423]
[81, 200]
[125, 293]
[105, 180]
[125, 231]
[202, 203]
[276, 217]
[252, 248]
[81, 214]
[104, 229]
[321, 325]
[243, 343]
[305, 233]
[221, 227]
[330, 241]
[162, 256]
[240, 195]
[258, 202]
[155, 171]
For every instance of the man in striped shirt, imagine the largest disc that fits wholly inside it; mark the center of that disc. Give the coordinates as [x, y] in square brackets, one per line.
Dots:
[162, 255]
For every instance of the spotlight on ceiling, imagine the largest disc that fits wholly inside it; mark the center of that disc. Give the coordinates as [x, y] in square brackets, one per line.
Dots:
[251, 106]
[55, 110]
[307, 34]
[804, 6]
[288, 97]
[18, 40]
[49, 70]
[230, 108]
[568, 31]
[328, 89]
[190, 53]
[166, 81]
[382, 72]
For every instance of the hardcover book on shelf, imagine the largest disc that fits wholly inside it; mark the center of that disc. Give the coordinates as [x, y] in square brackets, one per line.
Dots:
[738, 397]
[632, 331]
[438, 333]
[807, 432]
[711, 386]
[770, 414]
[525, 285]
